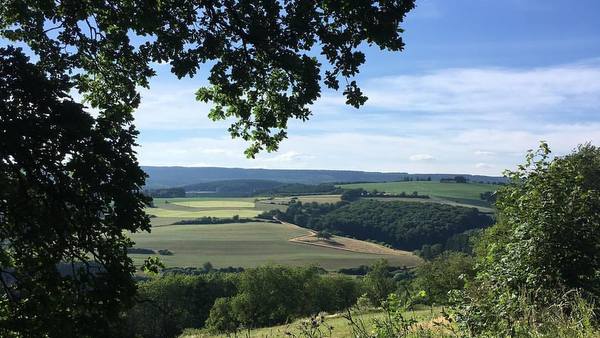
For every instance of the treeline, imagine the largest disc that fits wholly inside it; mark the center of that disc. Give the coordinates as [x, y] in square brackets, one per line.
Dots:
[224, 302]
[249, 188]
[404, 225]
[165, 193]
[463, 242]
[355, 194]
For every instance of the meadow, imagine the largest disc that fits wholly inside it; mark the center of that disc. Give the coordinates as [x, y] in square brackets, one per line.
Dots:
[460, 194]
[340, 325]
[167, 211]
[249, 245]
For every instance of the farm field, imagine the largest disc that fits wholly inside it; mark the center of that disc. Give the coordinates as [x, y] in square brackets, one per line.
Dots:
[250, 244]
[281, 203]
[455, 193]
[170, 210]
[341, 329]
[167, 211]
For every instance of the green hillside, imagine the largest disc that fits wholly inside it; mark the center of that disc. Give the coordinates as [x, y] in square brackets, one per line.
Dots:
[466, 193]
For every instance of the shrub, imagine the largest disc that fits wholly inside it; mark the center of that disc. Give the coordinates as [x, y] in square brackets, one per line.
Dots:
[222, 318]
[545, 244]
[443, 274]
[171, 303]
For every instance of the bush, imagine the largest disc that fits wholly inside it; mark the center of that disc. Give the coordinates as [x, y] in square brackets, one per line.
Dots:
[545, 244]
[378, 283]
[443, 274]
[169, 304]
[222, 318]
[271, 295]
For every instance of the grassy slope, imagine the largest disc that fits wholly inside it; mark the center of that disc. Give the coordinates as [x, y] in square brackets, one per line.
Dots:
[341, 329]
[248, 245]
[453, 192]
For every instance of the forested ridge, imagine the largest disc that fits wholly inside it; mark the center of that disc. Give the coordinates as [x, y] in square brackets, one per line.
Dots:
[404, 225]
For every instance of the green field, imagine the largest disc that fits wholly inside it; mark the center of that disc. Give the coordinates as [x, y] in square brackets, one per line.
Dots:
[457, 193]
[170, 210]
[248, 245]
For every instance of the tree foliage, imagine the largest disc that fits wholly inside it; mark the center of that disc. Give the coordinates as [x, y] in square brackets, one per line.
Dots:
[70, 182]
[70, 187]
[443, 274]
[406, 225]
[262, 54]
[169, 304]
[547, 241]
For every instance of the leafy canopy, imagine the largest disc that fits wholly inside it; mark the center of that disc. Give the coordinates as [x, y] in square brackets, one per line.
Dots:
[70, 182]
[545, 245]
[70, 187]
[261, 54]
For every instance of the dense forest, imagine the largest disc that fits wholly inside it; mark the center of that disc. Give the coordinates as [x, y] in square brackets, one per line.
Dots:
[404, 225]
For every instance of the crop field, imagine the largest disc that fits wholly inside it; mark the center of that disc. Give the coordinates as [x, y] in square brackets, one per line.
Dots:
[248, 245]
[456, 193]
[169, 210]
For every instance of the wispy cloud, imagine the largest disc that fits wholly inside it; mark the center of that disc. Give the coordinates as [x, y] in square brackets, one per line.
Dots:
[421, 157]
[477, 120]
[491, 93]
[482, 165]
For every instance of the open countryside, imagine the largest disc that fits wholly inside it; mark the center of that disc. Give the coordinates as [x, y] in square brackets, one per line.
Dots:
[451, 193]
[252, 244]
[301, 169]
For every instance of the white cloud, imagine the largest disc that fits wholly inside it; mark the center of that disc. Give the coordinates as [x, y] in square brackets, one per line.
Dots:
[420, 157]
[473, 120]
[496, 91]
[482, 165]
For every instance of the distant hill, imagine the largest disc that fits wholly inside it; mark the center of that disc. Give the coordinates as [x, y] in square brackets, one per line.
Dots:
[255, 187]
[164, 177]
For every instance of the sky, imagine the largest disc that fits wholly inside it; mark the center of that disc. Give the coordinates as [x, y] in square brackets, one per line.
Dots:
[479, 83]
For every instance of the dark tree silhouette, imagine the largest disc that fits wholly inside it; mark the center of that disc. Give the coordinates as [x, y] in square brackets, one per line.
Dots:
[70, 186]
[70, 183]
[263, 60]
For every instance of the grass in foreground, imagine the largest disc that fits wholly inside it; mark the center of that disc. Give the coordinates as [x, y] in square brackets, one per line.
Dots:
[340, 325]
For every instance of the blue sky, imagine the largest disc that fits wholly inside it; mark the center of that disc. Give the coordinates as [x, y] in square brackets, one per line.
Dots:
[480, 82]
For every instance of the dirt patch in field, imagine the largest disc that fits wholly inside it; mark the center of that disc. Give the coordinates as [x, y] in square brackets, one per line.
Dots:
[345, 243]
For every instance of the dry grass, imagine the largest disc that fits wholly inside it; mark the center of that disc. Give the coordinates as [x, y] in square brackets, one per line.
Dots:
[348, 244]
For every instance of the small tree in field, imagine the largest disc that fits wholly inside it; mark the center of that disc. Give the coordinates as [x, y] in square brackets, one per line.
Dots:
[324, 234]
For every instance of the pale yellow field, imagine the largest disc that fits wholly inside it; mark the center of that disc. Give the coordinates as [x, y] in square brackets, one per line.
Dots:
[215, 204]
[159, 212]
